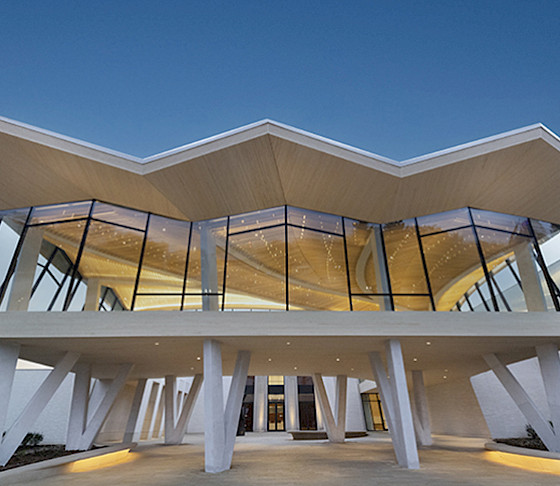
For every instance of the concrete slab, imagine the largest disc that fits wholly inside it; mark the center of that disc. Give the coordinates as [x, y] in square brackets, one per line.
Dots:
[274, 458]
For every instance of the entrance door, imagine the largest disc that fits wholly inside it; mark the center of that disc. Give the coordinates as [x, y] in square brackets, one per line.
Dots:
[276, 416]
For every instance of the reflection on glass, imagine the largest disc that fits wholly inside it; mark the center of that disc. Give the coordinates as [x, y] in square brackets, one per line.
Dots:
[505, 222]
[404, 259]
[60, 212]
[165, 256]
[317, 270]
[313, 219]
[371, 303]
[159, 302]
[111, 255]
[119, 215]
[444, 221]
[412, 303]
[453, 265]
[256, 270]
[366, 258]
[256, 219]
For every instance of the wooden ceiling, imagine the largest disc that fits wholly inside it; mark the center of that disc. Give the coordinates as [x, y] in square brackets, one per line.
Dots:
[268, 164]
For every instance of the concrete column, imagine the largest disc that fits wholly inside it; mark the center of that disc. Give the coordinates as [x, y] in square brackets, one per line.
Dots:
[77, 421]
[134, 417]
[523, 402]
[35, 406]
[102, 410]
[93, 293]
[528, 273]
[386, 396]
[260, 406]
[291, 403]
[340, 403]
[98, 391]
[214, 425]
[420, 410]
[233, 405]
[170, 406]
[318, 414]
[186, 412]
[401, 401]
[24, 274]
[150, 410]
[154, 423]
[333, 431]
[9, 354]
[549, 362]
[208, 267]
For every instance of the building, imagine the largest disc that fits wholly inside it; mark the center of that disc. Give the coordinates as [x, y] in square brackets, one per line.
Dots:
[277, 253]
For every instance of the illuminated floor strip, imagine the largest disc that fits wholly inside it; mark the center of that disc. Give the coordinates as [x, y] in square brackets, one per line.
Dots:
[529, 463]
[100, 462]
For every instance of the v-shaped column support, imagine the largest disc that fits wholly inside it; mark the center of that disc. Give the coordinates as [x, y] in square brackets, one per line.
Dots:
[175, 428]
[220, 426]
[336, 429]
[83, 427]
[35, 406]
[396, 403]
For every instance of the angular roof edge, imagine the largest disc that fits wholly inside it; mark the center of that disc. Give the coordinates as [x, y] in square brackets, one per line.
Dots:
[236, 136]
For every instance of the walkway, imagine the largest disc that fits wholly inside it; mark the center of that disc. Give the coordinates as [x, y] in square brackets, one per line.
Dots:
[274, 459]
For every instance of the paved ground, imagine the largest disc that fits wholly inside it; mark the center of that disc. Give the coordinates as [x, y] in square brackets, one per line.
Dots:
[275, 460]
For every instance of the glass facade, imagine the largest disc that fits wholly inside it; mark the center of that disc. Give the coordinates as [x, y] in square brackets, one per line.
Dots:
[91, 255]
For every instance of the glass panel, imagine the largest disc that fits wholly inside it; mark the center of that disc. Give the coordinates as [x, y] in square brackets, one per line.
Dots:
[317, 271]
[165, 256]
[444, 221]
[371, 303]
[66, 236]
[404, 259]
[255, 270]
[313, 219]
[111, 254]
[453, 265]
[256, 219]
[275, 380]
[366, 259]
[412, 303]
[9, 237]
[501, 221]
[15, 218]
[60, 212]
[159, 302]
[214, 234]
[119, 215]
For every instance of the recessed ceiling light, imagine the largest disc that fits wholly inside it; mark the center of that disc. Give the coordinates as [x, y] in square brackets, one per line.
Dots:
[338, 359]
[288, 343]
[445, 377]
[446, 370]
[351, 369]
[295, 367]
[428, 343]
[192, 367]
[414, 359]
[198, 358]
[156, 344]
[269, 359]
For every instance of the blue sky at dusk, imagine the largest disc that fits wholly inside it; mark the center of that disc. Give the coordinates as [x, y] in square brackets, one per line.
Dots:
[398, 78]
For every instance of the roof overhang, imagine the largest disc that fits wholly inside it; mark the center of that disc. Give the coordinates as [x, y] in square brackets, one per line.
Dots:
[268, 164]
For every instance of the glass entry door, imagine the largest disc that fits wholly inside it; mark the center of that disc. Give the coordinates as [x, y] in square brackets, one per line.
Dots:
[276, 416]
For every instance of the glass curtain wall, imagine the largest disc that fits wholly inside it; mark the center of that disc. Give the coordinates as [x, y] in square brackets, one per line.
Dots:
[92, 255]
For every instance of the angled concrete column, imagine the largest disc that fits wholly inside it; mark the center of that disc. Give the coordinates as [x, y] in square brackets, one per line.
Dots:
[20, 293]
[35, 406]
[186, 412]
[150, 410]
[100, 414]
[9, 354]
[523, 402]
[340, 403]
[170, 405]
[79, 407]
[291, 403]
[549, 362]
[401, 401]
[260, 405]
[98, 391]
[214, 425]
[528, 273]
[156, 414]
[233, 404]
[208, 267]
[93, 293]
[135, 416]
[386, 396]
[334, 432]
[420, 410]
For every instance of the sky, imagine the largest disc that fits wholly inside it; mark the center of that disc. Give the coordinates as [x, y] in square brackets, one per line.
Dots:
[397, 78]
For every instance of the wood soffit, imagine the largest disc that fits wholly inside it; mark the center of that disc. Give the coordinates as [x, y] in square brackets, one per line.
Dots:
[268, 164]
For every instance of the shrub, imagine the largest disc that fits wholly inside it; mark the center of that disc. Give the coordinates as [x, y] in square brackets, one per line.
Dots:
[32, 439]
